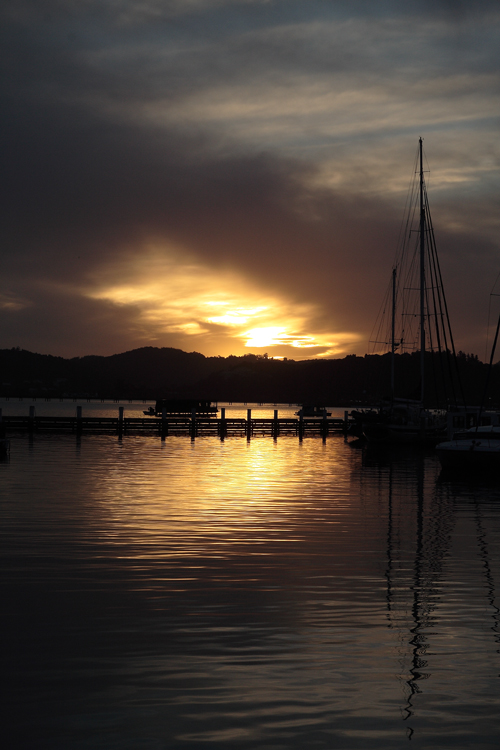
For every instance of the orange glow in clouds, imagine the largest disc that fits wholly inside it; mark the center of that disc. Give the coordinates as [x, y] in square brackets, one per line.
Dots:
[212, 311]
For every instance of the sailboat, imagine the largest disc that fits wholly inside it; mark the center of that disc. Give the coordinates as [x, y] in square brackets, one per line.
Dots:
[478, 448]
[419, 322]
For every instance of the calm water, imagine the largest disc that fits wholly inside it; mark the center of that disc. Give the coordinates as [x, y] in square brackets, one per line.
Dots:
[266, 594]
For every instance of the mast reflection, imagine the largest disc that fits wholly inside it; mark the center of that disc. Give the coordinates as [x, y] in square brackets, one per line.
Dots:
[419, 528]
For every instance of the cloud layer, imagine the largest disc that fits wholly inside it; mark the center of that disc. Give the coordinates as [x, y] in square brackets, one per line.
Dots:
[230, 176]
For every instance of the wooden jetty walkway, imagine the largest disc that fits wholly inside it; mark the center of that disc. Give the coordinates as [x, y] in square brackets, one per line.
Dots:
[193, 425]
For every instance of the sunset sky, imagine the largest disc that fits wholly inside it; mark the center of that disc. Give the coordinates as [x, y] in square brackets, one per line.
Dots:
[229, 176]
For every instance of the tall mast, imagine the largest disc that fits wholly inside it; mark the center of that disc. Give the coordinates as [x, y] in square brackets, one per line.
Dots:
[393, 342]
[422, 277]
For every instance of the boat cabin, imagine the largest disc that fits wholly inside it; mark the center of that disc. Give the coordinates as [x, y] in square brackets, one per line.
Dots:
[185, 407]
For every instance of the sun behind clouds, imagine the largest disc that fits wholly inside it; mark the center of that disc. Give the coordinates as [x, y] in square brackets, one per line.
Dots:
[202, 309]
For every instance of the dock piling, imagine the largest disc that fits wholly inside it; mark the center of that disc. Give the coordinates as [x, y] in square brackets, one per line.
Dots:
[79, 426]
[31, 419]
[276, 424]
[324, 425]
[222, 423]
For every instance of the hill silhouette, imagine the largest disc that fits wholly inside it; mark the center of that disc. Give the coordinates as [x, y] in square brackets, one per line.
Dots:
[151, 372]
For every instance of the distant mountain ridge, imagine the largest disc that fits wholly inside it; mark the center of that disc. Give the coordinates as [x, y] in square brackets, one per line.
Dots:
[151, 372]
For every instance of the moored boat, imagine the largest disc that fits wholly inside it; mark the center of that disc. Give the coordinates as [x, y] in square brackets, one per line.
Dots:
[477, 449]
[185, 407]
[307, 410]
[404, 421]
[4, 441]
[418, 322]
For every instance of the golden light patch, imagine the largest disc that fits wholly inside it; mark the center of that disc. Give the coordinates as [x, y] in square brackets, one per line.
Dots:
[236, 317]
[191, 302]
[260, 337]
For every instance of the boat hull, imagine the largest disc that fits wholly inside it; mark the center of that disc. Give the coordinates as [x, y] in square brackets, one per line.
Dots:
[388, 432]
[469, 456]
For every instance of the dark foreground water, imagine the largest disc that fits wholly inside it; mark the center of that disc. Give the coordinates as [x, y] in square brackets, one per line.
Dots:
[185, 595]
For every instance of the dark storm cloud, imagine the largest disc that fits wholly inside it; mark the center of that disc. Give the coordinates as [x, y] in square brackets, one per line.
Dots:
[84, 193]
[184, 124]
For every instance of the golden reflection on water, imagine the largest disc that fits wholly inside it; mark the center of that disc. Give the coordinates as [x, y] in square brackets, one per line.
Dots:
[282, 593]
[191, 493]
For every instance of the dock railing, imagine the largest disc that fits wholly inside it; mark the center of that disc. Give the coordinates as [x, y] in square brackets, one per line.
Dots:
[174, 424]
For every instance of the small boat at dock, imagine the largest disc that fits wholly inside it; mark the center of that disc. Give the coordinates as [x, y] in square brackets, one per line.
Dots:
[183, 407]
[312, 411]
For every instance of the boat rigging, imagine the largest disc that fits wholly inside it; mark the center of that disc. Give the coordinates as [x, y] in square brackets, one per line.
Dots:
[418, 325]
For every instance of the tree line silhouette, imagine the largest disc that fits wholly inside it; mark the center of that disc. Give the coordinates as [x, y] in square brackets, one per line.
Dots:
[151, 373]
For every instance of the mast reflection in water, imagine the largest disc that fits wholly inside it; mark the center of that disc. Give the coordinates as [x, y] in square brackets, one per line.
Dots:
[277, 594]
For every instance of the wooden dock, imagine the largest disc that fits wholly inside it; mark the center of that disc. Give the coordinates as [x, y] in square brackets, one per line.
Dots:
[176, 425]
